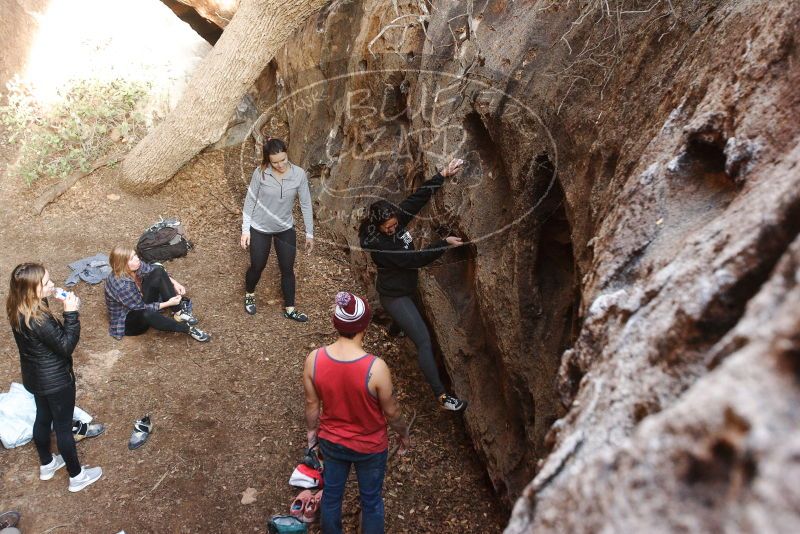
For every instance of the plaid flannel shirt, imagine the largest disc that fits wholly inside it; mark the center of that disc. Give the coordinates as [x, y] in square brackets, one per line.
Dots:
[122, 296]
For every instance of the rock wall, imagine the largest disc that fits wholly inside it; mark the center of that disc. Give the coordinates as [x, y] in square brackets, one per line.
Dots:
[625, 318]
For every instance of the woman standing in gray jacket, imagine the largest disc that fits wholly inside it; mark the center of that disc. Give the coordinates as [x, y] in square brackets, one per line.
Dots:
[267, 218]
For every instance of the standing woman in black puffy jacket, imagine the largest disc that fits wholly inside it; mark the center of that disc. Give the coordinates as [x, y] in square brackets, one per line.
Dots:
[45, 354]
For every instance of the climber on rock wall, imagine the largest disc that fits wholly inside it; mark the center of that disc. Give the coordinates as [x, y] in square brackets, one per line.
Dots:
[384, 235]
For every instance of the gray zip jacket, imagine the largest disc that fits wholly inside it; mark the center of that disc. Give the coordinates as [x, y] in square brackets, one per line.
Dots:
[269, 201]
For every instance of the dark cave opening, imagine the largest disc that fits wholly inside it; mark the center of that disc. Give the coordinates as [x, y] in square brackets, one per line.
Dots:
[710, 155]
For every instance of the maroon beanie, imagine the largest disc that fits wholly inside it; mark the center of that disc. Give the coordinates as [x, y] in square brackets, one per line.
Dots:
[352, 314]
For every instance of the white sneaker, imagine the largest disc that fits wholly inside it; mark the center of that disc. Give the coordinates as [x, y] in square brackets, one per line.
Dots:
[87, 476]
[46, 472]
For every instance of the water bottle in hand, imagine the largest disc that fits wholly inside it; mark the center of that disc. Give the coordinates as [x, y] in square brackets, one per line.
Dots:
[60, 293]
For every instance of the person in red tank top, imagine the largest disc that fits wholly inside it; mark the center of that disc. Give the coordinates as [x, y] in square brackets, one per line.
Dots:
[349, 401]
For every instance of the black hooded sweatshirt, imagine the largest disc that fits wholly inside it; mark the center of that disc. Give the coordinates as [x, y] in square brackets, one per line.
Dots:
[394, 255]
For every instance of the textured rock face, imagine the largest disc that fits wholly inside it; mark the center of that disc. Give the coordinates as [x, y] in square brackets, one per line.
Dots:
[625, 318]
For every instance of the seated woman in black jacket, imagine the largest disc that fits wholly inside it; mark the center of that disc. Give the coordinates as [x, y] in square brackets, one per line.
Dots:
[384, 235]
[45, 354]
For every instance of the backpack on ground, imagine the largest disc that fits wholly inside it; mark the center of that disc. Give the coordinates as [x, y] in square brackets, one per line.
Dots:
[165, 240]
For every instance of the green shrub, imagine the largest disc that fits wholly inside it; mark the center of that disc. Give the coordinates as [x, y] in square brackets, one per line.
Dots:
[88, 120]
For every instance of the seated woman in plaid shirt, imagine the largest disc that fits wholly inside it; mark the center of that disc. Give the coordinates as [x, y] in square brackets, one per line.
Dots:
[137, 291]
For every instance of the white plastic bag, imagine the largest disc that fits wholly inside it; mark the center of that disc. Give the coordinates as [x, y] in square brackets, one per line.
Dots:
[17, 413]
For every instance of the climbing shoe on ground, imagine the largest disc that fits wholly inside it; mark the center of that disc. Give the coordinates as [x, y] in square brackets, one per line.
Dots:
[46, 472]
[86, 430]
[88, 475]
[199, 335]
[296, 316]
[250, 304]
[9, 519]
[451, 403]
[141, 431]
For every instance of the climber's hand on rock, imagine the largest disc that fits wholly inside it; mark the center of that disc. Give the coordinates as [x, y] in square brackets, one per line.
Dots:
[453, 168]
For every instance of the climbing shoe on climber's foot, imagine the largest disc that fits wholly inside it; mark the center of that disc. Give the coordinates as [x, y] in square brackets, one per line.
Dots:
[295, 315]
[451, 403]
[250, 303]
[199, 335]
[184, 313]
[395, 330]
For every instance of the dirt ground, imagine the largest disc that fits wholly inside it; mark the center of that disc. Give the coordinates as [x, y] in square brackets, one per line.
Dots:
[228, 414]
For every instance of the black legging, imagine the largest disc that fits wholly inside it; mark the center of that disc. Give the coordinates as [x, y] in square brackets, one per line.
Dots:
[156, 287]
[285, 249]
[56, 409]
[405, 314]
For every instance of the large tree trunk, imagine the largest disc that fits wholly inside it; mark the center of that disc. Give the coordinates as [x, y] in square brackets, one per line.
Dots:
[258, 29]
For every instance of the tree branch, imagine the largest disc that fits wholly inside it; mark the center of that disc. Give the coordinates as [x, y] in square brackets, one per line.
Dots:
[56, 190]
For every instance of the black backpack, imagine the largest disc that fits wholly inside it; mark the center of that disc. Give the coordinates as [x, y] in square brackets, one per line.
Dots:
[165, 240]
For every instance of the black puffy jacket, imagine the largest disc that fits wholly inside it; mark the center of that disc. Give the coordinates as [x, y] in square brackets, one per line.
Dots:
[45, 352]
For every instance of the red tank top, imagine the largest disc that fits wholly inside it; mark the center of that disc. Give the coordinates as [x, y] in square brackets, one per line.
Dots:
[351, 414]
